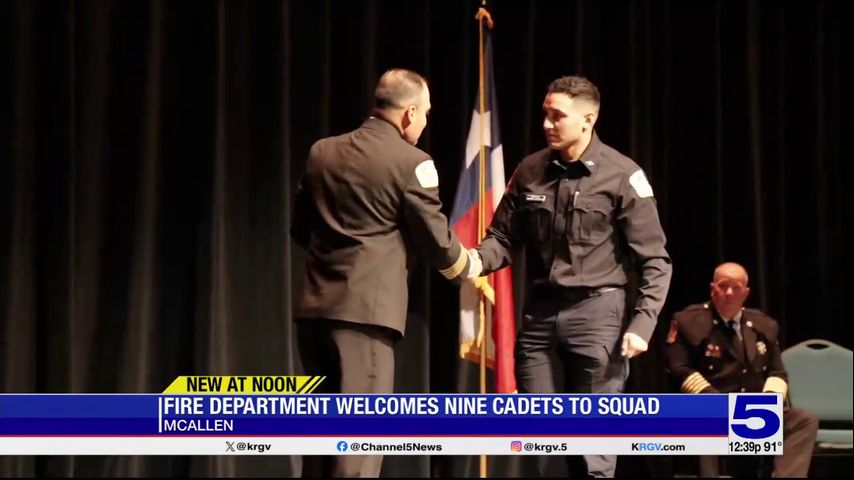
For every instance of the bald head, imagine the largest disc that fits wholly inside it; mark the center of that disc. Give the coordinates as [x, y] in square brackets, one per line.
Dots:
[729, 289]
[398, 88]
[730, 270]
[403, 99]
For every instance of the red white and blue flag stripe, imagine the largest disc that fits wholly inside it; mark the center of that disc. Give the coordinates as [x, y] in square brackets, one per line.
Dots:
[500, 331]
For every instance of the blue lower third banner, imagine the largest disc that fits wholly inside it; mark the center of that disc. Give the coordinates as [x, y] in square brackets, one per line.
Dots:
[212, 424]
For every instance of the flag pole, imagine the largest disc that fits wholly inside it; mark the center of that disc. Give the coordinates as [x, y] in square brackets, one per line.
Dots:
[482, 15]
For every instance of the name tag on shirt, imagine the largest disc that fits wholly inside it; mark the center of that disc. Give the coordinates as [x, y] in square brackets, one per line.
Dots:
[532, 197]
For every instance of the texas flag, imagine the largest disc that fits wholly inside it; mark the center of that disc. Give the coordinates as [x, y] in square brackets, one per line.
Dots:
[472, 195]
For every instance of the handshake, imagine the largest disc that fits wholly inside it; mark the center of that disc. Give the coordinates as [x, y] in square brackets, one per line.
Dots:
[475, 265]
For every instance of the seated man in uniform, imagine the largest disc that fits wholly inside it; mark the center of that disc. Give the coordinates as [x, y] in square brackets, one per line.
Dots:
[722, 347]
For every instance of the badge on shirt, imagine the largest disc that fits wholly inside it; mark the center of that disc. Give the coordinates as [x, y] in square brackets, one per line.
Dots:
[427, 175]
[533, 197]
[761, 348]
[641, 184]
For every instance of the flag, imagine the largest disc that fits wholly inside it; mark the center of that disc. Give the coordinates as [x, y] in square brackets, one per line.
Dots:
[500, 324]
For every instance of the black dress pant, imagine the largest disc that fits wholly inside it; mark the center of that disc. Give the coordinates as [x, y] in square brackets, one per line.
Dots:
[355, 358]
[585, 334]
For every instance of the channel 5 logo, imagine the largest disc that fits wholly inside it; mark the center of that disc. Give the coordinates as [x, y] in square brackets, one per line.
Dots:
[515, 446]
[756, 416]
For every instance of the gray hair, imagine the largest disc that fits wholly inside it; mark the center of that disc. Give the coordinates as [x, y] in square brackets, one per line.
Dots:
[398, 88]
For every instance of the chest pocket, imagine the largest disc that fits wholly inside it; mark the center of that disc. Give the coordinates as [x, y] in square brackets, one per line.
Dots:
[710, 357]
[710, 366]
[591, 219]
[536, 220]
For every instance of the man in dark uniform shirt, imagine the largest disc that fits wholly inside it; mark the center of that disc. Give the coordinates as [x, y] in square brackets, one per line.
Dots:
[725, 348]
[369, 199]
[585, 214]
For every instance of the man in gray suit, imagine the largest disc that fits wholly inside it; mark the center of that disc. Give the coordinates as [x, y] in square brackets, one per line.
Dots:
[368, 200]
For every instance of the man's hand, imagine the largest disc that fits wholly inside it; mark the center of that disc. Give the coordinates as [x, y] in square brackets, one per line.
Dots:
[633, 345]
[475, 264]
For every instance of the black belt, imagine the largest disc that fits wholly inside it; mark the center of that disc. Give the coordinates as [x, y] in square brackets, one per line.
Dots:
[570, 294]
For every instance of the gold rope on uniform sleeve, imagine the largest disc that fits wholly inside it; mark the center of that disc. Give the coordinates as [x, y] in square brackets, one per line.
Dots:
[456, 269]
[695, 383]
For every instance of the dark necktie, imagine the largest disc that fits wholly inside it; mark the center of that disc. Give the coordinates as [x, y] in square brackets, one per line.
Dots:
[736, 338]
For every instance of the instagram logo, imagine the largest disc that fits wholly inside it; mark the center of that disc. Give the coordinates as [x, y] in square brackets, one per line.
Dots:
[516, 446]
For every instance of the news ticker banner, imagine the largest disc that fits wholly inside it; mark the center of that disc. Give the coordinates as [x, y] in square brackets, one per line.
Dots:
[218, 416]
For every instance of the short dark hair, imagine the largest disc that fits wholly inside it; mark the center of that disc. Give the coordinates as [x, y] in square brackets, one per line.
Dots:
[576, 87]
[397, 88]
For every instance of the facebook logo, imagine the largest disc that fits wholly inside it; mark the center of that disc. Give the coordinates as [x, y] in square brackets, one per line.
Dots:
[342, 446]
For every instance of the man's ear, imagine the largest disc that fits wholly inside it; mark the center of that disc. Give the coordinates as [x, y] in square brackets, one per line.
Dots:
[406, 117]
[590, 118]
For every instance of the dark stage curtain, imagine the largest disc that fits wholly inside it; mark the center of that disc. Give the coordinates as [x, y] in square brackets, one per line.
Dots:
[149, 150]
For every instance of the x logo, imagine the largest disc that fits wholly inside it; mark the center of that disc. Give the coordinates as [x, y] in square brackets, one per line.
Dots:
[229, 446]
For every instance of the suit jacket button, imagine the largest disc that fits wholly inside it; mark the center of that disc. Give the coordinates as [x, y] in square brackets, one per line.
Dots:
[743, 389]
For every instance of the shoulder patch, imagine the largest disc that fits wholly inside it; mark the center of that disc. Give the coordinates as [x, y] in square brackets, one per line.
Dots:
[641, 184]
[427, 175]
[674, 330]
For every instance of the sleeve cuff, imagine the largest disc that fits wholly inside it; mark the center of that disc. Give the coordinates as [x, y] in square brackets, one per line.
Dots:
[696, 383]
[458, 267]
[776, 385]
[485, 259]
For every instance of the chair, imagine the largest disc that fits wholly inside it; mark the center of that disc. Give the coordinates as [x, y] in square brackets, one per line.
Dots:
[820, 381]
